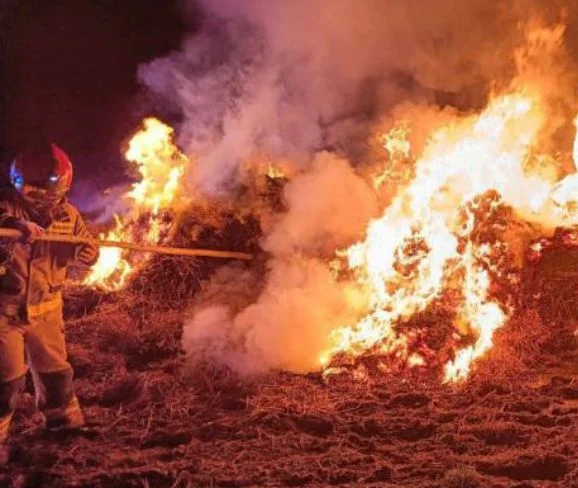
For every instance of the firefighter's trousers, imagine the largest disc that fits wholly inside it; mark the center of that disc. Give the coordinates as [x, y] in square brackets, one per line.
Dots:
[40, 345]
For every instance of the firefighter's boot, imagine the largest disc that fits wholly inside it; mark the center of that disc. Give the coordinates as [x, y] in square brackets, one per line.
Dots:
[57, 401]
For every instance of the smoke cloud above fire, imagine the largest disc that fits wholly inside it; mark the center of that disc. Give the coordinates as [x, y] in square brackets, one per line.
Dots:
[295, 77]
[308, 83]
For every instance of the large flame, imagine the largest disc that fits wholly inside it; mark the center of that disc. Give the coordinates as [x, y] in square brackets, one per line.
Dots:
[424, 243]
[161, 166]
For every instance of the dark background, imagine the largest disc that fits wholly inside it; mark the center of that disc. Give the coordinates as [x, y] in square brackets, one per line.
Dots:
[68, 73]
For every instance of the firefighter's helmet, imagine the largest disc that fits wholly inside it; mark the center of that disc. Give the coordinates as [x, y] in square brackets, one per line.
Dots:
[42, 175]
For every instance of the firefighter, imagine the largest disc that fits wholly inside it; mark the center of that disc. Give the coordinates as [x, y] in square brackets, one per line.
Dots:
[32, 273]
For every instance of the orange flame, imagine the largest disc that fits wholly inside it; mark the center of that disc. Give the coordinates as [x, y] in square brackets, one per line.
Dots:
[398, 149]
[413, 250]
[161, 166]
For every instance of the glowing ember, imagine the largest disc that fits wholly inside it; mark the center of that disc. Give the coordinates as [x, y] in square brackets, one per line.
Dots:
[274, 172]
[161, 166]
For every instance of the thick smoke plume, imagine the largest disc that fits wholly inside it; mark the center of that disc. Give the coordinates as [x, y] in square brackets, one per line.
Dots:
[329, 209]
[288, 325]
[293, 77]
[289, 322]
[308, 82]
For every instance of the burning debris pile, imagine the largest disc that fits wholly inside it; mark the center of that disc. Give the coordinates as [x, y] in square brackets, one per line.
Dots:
[428, 239]
[450, 236]
[160, 210]
[410, 255]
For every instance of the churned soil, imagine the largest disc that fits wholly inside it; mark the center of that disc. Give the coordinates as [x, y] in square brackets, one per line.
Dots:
[153, 423]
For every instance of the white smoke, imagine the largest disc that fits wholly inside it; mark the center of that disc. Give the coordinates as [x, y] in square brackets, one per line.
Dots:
[287, 327]
[329, 209]
[292, 77]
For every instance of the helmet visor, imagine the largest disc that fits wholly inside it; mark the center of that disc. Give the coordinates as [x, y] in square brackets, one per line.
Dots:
[41, 198]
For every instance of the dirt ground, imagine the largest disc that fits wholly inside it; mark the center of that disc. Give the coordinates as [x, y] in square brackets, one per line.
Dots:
[154, 424]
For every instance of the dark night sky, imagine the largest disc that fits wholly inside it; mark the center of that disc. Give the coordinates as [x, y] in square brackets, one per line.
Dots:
[69, 75]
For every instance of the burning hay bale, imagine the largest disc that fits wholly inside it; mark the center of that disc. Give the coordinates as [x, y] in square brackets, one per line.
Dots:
[172, 280]
[160, 213]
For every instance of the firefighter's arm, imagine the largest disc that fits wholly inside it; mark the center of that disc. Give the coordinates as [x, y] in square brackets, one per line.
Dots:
[86, 254]
[30, 230]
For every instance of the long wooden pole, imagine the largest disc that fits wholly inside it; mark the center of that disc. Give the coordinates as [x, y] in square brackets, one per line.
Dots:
[172, 251]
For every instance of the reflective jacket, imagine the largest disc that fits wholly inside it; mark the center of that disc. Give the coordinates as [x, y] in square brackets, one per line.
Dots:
[32, 275]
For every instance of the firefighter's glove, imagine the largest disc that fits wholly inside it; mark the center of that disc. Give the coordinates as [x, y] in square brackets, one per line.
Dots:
[30, 230]
[86, 254]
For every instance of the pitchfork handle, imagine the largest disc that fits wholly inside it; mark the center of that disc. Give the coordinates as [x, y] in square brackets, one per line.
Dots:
[172, 251]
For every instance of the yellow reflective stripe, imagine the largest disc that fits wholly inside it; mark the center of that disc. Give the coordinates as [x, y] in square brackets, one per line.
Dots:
[44, 307]
[61, 228]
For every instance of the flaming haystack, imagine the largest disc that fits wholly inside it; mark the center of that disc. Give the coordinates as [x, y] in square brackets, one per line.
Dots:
[426, 241]
[447, 238]
[363, 254]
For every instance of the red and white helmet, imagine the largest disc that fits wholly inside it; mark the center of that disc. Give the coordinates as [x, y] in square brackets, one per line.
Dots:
[42, 175]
